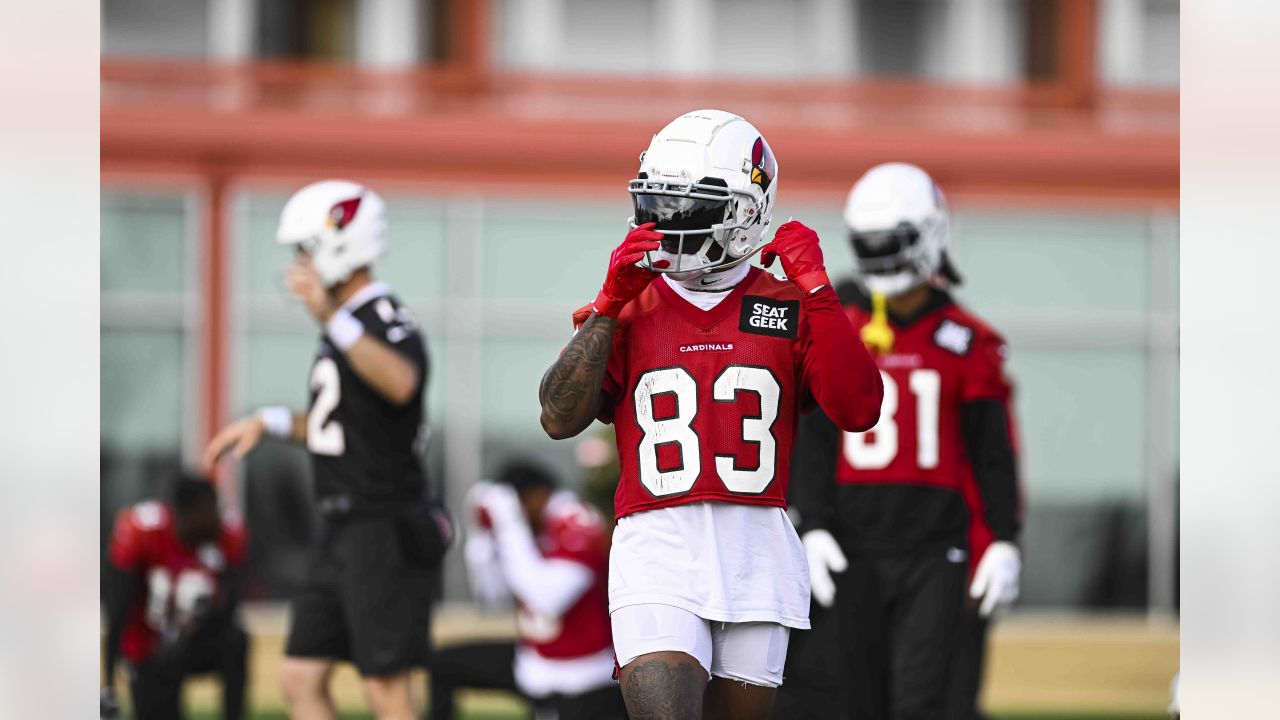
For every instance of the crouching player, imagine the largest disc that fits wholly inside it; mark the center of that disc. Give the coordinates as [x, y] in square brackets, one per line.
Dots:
[173, 582]
[550, 551]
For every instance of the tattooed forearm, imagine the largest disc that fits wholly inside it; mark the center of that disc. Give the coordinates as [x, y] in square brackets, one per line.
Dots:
[570, 391]
[656, 690]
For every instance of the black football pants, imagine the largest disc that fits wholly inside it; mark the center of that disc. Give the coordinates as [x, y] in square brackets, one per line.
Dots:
[815, 682]
[898, 617]
[155, 687]
[491, 666]
[967, 667]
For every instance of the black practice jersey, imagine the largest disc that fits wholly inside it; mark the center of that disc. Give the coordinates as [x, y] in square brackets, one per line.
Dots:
[363, 447]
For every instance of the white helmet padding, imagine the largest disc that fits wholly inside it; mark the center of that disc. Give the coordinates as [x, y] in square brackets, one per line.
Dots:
[899, 225]
[342, 225]
[709, 181]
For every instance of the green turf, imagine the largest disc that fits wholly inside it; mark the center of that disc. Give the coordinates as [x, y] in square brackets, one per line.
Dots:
[278, 715]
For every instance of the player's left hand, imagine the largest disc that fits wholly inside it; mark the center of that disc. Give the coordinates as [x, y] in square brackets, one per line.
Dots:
[996, 581]
[239, 437]
[304, 283]
[797, 246]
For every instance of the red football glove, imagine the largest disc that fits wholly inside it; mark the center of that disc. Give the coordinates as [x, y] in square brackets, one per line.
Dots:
[580, 317]
[801, 256]
[625, 281]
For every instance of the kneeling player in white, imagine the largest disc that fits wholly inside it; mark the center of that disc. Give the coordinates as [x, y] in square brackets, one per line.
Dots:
[549, 550]
[703, 374]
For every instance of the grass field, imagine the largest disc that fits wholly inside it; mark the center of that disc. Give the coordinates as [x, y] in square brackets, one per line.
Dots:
[1041, 667]
[517, 716]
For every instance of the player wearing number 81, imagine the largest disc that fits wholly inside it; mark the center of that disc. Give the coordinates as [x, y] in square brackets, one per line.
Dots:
[367, 594]
[703, 364]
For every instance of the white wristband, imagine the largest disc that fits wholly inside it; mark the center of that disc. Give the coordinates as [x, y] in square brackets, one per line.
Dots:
[344, 329]
[277, 421]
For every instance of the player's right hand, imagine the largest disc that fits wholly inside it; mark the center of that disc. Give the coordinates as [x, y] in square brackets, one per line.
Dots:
[825, 557]
[109, 707]
[239, 437]
[625, 279]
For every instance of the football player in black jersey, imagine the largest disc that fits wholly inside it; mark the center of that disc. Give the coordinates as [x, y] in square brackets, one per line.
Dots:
[367, 596]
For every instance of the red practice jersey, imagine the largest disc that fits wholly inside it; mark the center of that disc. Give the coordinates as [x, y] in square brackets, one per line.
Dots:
[573, 531]
[938, 363]
[177, 577]
[705, 402]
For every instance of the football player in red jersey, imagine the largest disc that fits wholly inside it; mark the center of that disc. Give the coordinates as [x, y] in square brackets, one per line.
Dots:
[173, 583]
[549, 550]
[703, 364]
[886, 509]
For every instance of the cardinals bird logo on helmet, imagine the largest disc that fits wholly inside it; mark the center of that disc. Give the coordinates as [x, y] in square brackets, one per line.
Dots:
[342, 225]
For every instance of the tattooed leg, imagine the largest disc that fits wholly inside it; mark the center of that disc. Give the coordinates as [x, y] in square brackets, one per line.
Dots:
[736, 700]
[663, 686]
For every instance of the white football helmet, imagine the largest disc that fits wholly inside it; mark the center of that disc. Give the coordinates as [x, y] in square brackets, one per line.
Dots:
[899, 226]
[342, 225]
[709, 181]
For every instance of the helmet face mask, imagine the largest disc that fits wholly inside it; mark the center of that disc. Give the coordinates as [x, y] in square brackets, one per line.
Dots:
[718, 221]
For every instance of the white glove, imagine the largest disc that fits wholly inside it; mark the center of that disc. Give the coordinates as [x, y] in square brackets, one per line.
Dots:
[502, 505]
[825, 557]
[996, 581]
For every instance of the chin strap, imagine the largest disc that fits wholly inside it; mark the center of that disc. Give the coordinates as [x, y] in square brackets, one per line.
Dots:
[717, 280]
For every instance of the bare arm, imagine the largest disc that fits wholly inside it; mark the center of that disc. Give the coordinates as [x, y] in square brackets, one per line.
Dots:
[390, 374]
[243, 435]
[570, 391]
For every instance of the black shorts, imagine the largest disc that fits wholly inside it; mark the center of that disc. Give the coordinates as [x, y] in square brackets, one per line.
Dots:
[365, 600]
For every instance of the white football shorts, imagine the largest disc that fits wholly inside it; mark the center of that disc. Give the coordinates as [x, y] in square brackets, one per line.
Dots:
[750, 652]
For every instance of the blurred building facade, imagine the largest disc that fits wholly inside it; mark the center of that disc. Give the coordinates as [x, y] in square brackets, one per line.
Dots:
[502, 134]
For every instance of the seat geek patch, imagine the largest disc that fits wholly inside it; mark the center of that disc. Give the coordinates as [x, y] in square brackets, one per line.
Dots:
[767, 316]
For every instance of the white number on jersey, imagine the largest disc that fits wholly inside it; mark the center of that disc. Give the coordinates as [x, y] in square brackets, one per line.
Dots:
[325, 436]
[876, 448]
[678, 429]
[757, 430]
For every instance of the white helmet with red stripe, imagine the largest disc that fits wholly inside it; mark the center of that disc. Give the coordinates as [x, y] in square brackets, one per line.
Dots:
[342, 225]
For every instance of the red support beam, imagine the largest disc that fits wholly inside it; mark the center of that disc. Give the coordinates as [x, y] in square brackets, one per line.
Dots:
[1077, 51]
[214, 328]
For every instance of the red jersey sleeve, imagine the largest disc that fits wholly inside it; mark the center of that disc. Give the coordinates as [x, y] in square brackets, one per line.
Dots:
[131, 539]
[837, 369]
[984, 377]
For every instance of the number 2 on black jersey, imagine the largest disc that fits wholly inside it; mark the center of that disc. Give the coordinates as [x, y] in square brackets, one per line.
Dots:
[325, 436]
[678, 429]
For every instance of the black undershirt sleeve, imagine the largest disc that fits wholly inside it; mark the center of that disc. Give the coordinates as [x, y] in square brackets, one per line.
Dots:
[813, 470]
[985, 425]
[118, 589]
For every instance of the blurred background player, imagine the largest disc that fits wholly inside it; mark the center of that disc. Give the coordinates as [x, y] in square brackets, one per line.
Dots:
[885, 511]
[969, 659]
[703, 373]
[549, 550]
[369, 587]
[173, 583]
